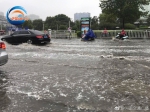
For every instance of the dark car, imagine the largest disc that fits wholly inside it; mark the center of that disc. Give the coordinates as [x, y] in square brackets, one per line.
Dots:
[27, 36]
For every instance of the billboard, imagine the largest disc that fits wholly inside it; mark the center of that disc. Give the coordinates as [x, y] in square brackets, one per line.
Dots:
[85, 25]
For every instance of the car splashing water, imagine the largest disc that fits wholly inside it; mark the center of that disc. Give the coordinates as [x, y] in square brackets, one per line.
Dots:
[70, 75]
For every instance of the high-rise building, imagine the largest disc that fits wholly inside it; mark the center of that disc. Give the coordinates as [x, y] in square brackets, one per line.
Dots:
[78, 16]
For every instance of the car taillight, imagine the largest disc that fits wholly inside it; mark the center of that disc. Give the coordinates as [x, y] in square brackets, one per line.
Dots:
[2, 45]
[39, 36]
[49, 36]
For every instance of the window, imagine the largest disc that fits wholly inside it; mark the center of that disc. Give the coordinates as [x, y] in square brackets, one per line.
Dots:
[24, 32]
[15, 33]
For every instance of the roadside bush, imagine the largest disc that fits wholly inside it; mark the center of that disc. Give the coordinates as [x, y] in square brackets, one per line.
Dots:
[129, 26]
[143, 27]
[78, 33]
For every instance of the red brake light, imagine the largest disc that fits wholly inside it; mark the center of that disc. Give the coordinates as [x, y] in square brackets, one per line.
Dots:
[39, 36]
[49, 36]
[2, 45]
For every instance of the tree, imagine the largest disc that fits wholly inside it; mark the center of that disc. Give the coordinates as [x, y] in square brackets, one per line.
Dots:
[62, 27]
[148, 20]
[51, 23]
[58, 21]
[27, 24]
[94, 23]
[38, 24]
[108, 21]
[128, 11]
[76, 25]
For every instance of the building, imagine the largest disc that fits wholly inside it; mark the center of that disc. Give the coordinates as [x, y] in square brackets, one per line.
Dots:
[3, 22]
[78, 16]
[33, 17]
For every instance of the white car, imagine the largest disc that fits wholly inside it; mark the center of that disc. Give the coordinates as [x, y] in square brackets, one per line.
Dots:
[3, 53]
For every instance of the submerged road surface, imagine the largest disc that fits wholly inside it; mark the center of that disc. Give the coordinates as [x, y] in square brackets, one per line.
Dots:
[76, 76]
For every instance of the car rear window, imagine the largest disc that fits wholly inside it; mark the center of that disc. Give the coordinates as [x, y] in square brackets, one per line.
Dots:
[37, 32]
[15, 33]
[24, 32]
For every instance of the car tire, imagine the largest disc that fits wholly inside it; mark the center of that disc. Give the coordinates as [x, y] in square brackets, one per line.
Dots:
[3, 39]
[29, 41]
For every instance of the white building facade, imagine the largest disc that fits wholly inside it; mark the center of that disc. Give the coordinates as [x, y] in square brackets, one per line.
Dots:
[78, 16]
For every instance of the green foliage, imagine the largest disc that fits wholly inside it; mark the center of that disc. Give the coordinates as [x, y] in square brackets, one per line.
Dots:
[78, 33]
[76, 26]
[129, 26]
[62, 27]
[94, 23]
[148, 20]
[58, 22]
[107, 18]
[107, 25]
[143, 27]
[38, 24]
[51, 23]
[27, 24]
[128, 11]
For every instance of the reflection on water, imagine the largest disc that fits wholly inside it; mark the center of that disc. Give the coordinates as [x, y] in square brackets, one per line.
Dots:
[4, 100]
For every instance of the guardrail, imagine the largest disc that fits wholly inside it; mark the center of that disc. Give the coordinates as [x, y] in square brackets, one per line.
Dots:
[63, 34]
[133, 34]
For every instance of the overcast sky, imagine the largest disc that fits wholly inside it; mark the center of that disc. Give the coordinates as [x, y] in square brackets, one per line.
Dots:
[44, 8]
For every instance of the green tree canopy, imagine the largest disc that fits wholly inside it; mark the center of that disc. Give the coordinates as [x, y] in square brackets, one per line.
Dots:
[128, 11]
[148, 20]
[27, 24]
[94, 23]
[38, 24]
[58, 22]
[108, 21]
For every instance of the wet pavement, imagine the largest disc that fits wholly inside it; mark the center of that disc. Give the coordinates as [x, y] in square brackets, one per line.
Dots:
[76, 76]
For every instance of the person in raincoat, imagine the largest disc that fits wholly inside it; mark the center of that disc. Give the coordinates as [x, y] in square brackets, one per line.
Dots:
[122, 34]
[89, 35]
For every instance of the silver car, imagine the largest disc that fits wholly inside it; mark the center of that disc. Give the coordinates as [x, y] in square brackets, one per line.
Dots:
[3, 53]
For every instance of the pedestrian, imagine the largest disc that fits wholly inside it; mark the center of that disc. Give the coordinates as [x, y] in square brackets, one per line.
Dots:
[70, 34]
[105, 32]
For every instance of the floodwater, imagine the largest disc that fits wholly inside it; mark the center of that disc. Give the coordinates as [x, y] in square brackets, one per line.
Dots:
[76, 76]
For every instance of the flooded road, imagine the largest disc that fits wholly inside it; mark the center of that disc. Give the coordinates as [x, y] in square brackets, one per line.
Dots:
[76, 76]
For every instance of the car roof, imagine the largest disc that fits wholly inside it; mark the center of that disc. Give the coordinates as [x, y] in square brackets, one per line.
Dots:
[32, 31]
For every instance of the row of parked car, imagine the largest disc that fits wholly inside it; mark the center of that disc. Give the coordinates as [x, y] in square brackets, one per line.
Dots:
[2, 32]
[21, 36]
